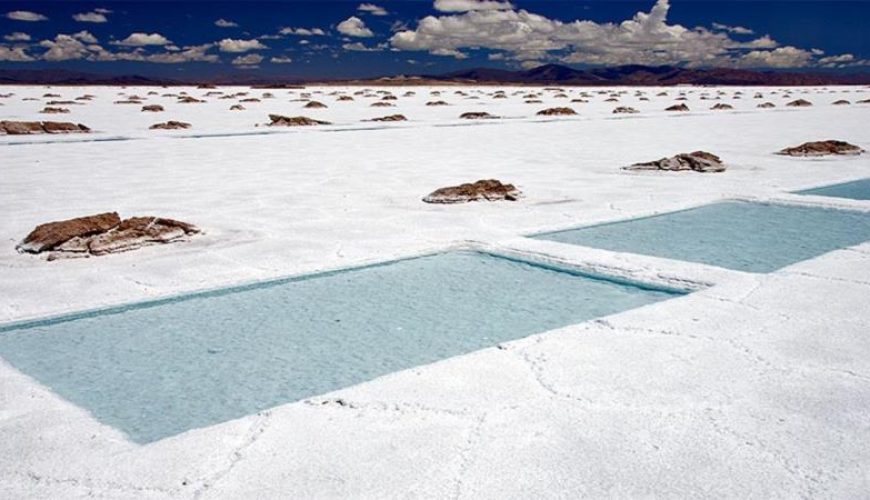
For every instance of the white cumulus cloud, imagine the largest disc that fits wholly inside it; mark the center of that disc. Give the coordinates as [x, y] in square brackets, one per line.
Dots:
[91, 17]
[15, 54]
[354, 26]
[232, 45]
[375, 10]
[25, 15]
[281, 60]
[17, 37]
[143, 39]
[469, 5]
[302, 31]
[223, 23]
[249, 60]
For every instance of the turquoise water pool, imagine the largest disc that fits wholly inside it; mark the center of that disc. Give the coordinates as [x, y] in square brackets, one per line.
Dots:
[751, 237]
[855, 190]
[158, 369]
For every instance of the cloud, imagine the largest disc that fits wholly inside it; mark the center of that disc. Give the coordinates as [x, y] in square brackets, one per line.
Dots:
[449, 52]
[25, 15]
[470, 5]
[737, 30]
[372, 9]
[647, 38]
[302, 31]
[223, 23]
[67, 47]
[14, 54]
[17, 37]
[354, 26]
[91, 17]
[232, 45]
[359, 47]
[143, 39]
[281, 60]
[249, 60]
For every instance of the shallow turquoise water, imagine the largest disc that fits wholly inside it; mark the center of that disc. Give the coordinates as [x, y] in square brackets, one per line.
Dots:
[160, 369]
[855, 190]
[751, 237]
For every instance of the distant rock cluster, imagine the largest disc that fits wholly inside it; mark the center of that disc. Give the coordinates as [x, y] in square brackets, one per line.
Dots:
[698, 161]
[24, 128]
[822, 148]
[294, 121]
[488, 190]
[102, 234]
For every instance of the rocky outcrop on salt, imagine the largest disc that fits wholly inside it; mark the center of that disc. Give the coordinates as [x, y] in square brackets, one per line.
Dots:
[48, 110]
[24, 128]
[625, 110]
[698, 161]
[477, 115]
[390, 118]
[153, 108]
[294, 121]
[382, 104]
[488, 190]
[766, 105]
[102, 234]
[237, 107]
[841, 102]
[170, 125]
[315, 105]
[677, 107]
[436, 103]
[822, 148]
[556, 112]
[800, 103]
[721, 107]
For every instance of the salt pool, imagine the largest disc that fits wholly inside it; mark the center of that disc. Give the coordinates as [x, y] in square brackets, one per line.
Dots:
[855, 190]
[752, 237]
[157, 369]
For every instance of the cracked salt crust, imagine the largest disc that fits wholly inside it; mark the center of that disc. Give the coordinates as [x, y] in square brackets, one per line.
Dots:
[754, 385]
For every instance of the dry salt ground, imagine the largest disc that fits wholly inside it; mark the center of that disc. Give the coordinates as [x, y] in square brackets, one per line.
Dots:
[757, 385]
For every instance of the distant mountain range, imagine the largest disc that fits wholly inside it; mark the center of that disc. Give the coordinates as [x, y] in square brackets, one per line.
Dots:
[548, 74]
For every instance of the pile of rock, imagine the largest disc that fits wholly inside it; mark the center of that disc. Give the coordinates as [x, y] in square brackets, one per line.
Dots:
[154, 108]
[170, 125]
[23, 128]
[625, 110]
[102, 234]
[477, 115]
[698, 161]
[800, 103]
[841, 102]
[315, 104]
[766, 105]
[489, 190]
[822, 148]
[53, 111]
[390, 118]
[294, 121]
[721, 106]
[677, 107]
[436, 103]
[556, 112]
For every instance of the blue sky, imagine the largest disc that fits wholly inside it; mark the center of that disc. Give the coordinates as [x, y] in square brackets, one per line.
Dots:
[337, 38]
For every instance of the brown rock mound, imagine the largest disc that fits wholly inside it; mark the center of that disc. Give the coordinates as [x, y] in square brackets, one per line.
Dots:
[698, 161]
[841, 102]
[625, 109]
[189, 100]
[822, 148]
[315, 104]
[170, 125]
[556, 112]
[154, 108]
[800, 103]
[721, 106]
[294, 121]
[103, 234]
[677, 107]
[489, 190]
[53, 111]
[50, 235]
[390, 118]
[766, 105]
[476, 115]
[22, 128]
[382, 104]
[237, 107]
[436, 103]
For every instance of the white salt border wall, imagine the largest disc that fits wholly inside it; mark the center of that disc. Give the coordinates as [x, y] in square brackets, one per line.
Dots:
[756, 386]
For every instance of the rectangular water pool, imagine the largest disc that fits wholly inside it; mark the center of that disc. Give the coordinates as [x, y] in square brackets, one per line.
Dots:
[752, 237]
[158, 369]
[855, 190]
